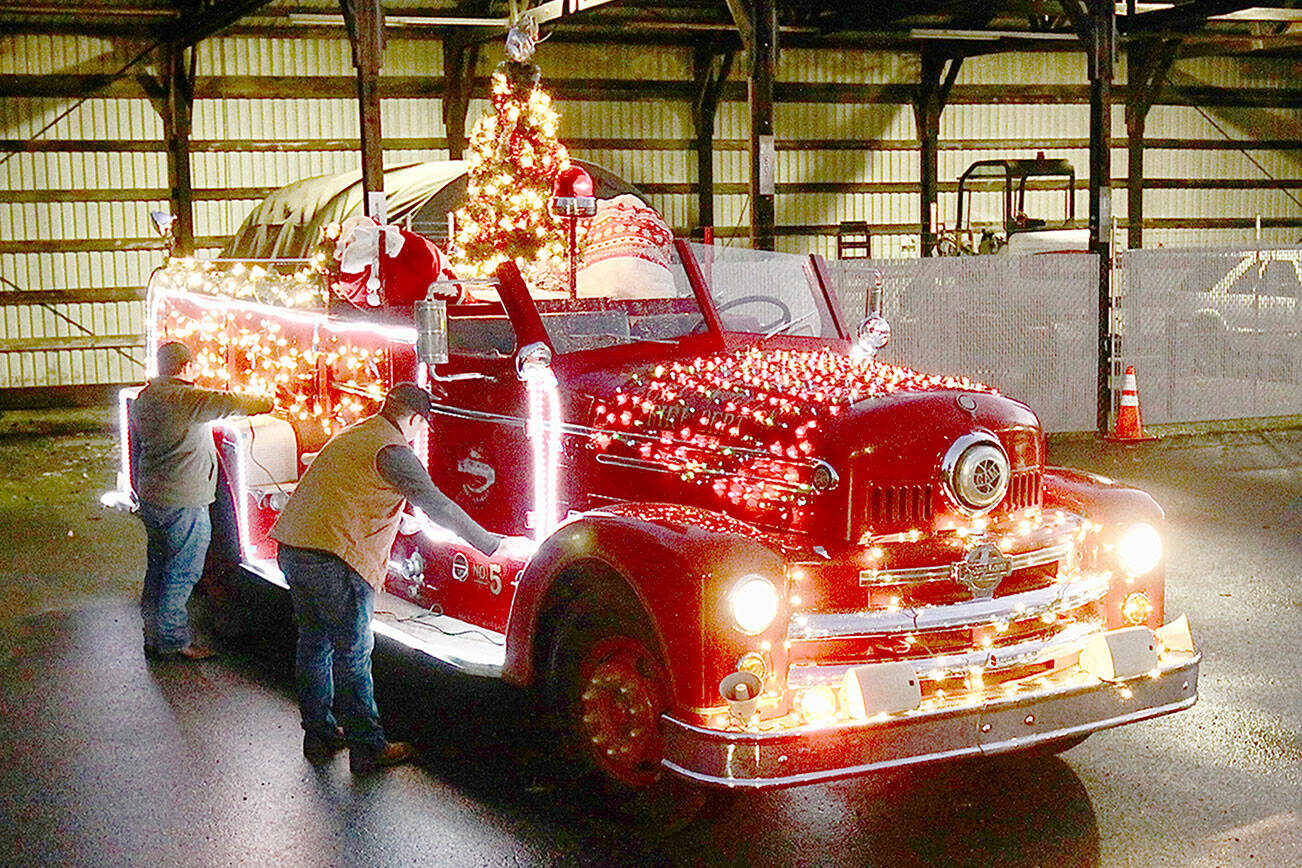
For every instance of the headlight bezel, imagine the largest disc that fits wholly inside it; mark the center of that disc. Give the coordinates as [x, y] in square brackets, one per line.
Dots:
[959, 465]
[754, 603]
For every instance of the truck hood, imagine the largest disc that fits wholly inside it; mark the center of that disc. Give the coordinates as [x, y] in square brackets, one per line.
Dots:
[769, 435]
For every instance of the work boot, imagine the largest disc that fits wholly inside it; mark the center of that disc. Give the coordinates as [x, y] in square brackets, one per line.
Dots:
[319, 747]
[361, 760]
[187, 652]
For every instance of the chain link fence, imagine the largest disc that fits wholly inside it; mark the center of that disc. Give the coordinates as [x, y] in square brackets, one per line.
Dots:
[1023, 324]
[1212, 333]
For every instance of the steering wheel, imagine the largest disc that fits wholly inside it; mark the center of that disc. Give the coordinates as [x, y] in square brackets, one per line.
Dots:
[783, 319]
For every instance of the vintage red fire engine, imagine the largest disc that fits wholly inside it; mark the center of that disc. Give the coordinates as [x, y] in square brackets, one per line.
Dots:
[763, 558]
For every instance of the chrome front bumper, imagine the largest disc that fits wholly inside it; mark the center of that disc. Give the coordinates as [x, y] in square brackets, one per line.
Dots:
[1072, 704]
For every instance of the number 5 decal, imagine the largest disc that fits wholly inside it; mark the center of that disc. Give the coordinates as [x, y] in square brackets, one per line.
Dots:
[495, 578]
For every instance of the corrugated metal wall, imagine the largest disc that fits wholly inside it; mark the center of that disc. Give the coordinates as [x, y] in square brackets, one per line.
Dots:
[74, 197]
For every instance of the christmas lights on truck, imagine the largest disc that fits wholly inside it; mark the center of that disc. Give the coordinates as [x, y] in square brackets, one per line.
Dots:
[764, 557]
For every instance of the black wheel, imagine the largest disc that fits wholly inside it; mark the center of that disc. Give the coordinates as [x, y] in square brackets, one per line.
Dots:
[605, 692]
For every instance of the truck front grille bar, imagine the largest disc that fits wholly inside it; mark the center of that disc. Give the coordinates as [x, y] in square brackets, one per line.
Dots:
[944, 572]
[1082, 590]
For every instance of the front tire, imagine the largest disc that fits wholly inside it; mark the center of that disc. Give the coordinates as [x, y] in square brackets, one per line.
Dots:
[606, 689]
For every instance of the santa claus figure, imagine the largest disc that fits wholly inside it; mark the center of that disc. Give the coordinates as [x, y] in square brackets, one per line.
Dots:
[627, 252]
[408, 262]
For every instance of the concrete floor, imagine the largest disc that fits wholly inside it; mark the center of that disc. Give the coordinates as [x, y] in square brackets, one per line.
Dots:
[105, 760]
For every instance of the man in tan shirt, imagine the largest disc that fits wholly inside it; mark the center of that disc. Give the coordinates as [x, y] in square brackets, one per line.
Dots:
[335, 535]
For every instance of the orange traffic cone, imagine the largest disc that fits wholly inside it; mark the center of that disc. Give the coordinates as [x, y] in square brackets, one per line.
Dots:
[1129, 427]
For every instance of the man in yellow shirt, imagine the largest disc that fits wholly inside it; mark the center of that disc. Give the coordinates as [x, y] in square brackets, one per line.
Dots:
[335, 535]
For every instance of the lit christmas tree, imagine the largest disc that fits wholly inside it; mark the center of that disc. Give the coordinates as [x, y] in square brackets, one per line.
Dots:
[514, 158]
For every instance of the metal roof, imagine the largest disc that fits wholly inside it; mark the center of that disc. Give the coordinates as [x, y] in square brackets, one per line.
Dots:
[1219, 26]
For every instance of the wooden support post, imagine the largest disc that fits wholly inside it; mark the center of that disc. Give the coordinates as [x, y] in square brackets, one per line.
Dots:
[927, 120]
[710, 67]
[1136, 115]
[1146, 71]
[763, 149]
[459, 58]
[365, 19]
[1102, 42]
[178, 85]
[938, 71]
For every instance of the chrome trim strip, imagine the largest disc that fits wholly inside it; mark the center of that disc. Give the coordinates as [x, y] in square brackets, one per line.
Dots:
[976, 750]
[1070, 641]
[588, 431]
[657, 467]
[1086, 588]
[908, 576]
[913, 575]
[1040, 557]
[501, 419]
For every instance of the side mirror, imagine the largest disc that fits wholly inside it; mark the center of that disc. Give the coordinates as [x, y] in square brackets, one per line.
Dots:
[874, 333]
[162, 221]
[432, 331]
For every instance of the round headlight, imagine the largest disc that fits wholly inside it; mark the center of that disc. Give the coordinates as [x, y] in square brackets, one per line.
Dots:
[754, 604]
[1139, 548]
[977, 472]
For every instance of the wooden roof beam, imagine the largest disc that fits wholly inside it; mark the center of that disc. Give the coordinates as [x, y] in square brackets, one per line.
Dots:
[1183, 17]
[204, 18]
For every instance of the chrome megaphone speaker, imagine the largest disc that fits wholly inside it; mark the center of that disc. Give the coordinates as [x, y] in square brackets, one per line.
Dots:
[741, 690]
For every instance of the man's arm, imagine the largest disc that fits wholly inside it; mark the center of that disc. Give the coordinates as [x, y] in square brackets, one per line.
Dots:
[402, 469]
[210, 404]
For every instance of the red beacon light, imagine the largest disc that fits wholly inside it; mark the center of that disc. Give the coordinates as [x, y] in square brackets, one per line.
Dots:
[573, 199]
[572, 194]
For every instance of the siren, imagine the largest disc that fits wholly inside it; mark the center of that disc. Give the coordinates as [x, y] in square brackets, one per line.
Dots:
[741, 690]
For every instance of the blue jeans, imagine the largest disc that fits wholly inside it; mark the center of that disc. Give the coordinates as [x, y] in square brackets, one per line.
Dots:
[334, 606]
[176, 546]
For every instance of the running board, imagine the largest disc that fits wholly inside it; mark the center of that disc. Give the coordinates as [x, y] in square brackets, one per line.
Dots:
[465, 647]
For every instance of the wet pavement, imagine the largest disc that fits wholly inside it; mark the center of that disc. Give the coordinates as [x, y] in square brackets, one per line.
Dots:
[107, 760]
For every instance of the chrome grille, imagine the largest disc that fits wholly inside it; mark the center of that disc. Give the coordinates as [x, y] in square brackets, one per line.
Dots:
[1023, 490]
[892, 505]
[944, 572]
[1082, 590]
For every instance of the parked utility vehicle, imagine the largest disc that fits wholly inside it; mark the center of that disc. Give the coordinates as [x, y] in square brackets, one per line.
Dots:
[1015, 206]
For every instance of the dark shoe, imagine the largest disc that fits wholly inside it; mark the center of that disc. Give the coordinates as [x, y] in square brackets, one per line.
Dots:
[188, 652]
[361, 760]
[320, 748]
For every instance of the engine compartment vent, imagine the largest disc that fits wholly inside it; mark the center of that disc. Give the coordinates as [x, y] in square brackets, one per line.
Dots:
[894, 505]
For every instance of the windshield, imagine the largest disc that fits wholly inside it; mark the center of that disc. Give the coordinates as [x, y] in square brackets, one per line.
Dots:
[631, 300]
[765, 293]
[621, 301]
